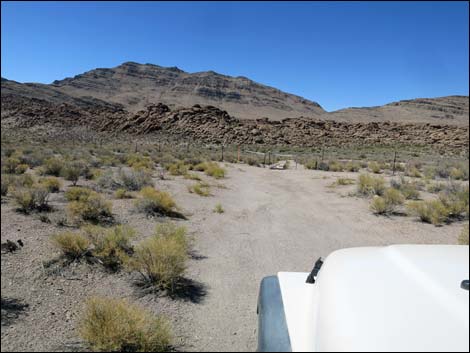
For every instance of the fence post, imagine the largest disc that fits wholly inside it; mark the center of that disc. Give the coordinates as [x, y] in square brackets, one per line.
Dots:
[394, 161]
[264, 161]
[222, 153]
[238, 153]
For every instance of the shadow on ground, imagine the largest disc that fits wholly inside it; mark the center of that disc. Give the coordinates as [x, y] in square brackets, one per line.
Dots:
[185, 289]
[12, 309]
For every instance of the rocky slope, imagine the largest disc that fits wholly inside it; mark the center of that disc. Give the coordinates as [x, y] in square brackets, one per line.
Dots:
[135, 85]
[211, 125]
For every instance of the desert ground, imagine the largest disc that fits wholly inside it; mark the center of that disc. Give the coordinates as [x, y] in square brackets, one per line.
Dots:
[273, 220]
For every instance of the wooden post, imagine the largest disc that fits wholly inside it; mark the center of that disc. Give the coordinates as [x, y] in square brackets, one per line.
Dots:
[394, 161]
[222, 159]
[135, 147]
[238, 153]
[264, 161]
[322, 152]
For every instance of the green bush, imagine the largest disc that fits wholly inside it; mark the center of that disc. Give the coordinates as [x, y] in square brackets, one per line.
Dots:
[7, 181]
[114, 325]
[72, 245]
[153, 201]
[10, 164]
[369, 185]
[21, 168]
[388, 203]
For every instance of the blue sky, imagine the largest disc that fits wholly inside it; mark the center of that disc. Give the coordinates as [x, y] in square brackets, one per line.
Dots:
[336, 53]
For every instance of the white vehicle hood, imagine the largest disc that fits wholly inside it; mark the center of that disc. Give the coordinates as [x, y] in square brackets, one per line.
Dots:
[397, 298]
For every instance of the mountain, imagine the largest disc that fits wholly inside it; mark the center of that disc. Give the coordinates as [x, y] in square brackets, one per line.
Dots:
[132, 87]
[136, 85]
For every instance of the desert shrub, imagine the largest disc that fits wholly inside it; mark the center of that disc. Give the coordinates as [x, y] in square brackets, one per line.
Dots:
[192, 176]
[52, 184]
[71, 172]
[252, 161]
[344, 181]
[178, 168]
[122, 194]
[378, 205]
[352, 167]
[107, 181]
[374, 167]
[369, 185]
[455, 173]
[430, 172]
[161, 259]
[114, 325]
[111, 245]
[73, 245]
[335, 166]
[135, 180]
[172, 230]
[409, 189]
[93, 208]
[138, 162]
[311, 164]
[323, 166]
[456, 200]
[211, 169]
[436, 187]
[7, 181]
[218, 208]
[414, 172]
[52, 166]
[432, 211]
[463, 237]
[30, 198]
[388, 203]
[21, 168]
[153, 201]
[200, 188]
[10, 164]
[78, 194]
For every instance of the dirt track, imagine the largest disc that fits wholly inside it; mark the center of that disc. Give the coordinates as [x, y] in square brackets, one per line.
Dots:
[277, 221]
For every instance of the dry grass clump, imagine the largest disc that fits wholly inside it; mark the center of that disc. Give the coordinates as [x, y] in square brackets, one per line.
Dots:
[13, 165]
[111, 245]
[387, 204]
[52, 184]
[88, 206]
[152, 201]
[52, 166]
[456, 199]
[211, 169]
[335, 166]
[71, 172]
[218, 208]
[138, 162]
[409, 189]
[135, 180]
[30, 198]
[78, 193]
[344, 181]
[202, 189]
[432, 211]
[7, 181]
[369, 185]
[413, 172]
[374, 167]
[114, 325]
[436, 188]
[352, 167]
[122, 193]
[463, 237]
[73, 245]
[192, 176]
[179, 168]
[161, 259]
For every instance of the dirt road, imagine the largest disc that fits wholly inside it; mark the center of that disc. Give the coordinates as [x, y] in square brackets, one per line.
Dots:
[276, 221]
